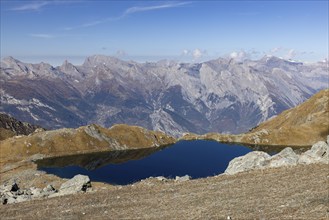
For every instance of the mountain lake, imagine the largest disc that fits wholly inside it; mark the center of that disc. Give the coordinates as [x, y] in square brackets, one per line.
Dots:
[198, 159]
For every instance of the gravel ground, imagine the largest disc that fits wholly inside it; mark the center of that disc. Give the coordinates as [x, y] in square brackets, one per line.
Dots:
[299, 192]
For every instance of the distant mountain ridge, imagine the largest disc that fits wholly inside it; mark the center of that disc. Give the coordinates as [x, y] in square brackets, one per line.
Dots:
[222, 95]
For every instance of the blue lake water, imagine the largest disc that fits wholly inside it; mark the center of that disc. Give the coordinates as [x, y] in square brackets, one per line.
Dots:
[197, 159]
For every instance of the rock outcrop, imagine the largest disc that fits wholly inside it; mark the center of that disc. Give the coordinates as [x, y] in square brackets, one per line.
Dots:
[11, 193]
[286, 157]
[86, 139]
[10, 127]
[250, 161]
[319, 153]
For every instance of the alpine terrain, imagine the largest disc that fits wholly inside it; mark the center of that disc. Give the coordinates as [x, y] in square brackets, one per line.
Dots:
[223, 95]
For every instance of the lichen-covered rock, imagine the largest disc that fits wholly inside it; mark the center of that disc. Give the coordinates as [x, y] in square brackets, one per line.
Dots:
[287, 157]
[319, 153]
[252, 160]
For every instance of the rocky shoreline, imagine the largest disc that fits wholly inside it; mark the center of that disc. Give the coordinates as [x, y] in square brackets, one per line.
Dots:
[12, 193]
[319, 153]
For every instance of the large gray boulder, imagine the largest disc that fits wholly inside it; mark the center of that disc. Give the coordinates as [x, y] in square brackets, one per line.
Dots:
[250, 161]
[319, 153]
[77, 184]
[287, 157]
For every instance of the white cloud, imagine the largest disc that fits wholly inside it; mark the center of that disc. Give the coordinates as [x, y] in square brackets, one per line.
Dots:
[291, 54]
[275, 49]
[129, 11]
[45, 36]
[121, 53]
[197, 53]
[32, 6]
[38, 5]
[151, 8]
[241, 55]
[186, 52]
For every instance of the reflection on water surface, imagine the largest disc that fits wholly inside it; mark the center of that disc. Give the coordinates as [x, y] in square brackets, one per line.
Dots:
[198, 159]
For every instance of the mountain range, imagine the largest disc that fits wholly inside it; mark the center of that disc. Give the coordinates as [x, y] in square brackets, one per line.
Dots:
[301, 126]
[223, 95]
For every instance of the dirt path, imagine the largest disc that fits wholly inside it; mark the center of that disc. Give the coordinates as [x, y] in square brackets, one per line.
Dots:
[300, 192]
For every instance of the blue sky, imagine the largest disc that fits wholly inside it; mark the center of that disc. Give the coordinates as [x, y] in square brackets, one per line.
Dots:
[52, 31]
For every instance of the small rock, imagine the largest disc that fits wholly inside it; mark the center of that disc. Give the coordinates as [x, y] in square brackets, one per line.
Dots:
[3, 199]
[49, 188]
[11, 200]
[22, 198]
[161, 178]
[183, 178]
[14, 187]
[36, 192]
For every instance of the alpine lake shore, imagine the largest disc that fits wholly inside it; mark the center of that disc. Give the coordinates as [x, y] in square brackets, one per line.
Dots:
[285, 185]
[290, 190]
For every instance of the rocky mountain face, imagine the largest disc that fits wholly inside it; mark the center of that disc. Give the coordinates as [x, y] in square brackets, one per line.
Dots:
[9, 127]
[303, 125]
[223, 95]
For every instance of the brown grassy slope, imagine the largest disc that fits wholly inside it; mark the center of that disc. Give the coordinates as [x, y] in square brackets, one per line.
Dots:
[296, 192]
[92, 138]
[303, 125]
[6, 133]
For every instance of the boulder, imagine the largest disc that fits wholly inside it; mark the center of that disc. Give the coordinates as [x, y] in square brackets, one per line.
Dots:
[3, 199]
[11, 200]
[36, 192]
[319, 153]
[250, 161]
[77, 184]
[22, 198]
[182, 178]
[287, 157]
[161, 178]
